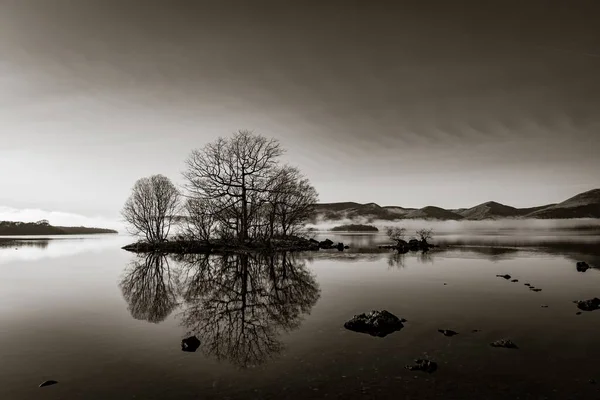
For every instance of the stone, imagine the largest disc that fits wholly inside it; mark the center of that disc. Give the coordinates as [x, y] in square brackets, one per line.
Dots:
[506, 343]
[447, 332]
[582, 266]
[535, 289]
[515, 280]
[325, 244]
[589, 305]
[190, 344]
[375, 323]
[340, 246]
[505, 276]
[48, 383]
[422, 365]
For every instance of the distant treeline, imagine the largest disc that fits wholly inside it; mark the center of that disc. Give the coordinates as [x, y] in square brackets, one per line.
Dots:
[44, 228]
[355, 228]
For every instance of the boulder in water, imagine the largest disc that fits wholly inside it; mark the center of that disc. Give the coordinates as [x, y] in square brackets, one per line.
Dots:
[48, 383]
[505, 276]
[375, 323]
[589, 305]
[190, 344]
[447, 332]
[582, 266]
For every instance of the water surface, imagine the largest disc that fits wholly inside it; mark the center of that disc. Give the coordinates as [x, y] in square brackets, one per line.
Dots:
[108, 324]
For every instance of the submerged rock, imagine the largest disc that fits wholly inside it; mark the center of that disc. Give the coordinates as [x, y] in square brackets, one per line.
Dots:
[535, 289]
[190, 344]
[527, 284]
[422, 365]
[589, 305]
[582, 266]
[447, 332]
[346, 247]
[476, 330]
[505, 276]
[578, 313]
[544, 306]
[375, 323]
[506, 343]
[48, 383]
[515, 280]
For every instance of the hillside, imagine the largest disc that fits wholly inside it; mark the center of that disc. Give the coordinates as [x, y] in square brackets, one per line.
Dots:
[583, 205]
[14, 228]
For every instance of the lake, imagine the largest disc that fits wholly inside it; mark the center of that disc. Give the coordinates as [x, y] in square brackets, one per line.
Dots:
[107, 324]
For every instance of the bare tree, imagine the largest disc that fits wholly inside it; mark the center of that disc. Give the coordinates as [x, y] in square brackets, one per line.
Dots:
[200, 220]
[151, 208]
[396, 234]
[425, 234]
[230, 172]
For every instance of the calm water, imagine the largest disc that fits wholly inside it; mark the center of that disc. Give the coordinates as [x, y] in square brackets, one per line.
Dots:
[107, 324]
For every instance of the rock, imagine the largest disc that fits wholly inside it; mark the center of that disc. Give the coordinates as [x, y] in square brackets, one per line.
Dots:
[582, 266]
[544, 306]
[48, 383]
[422, 365]
[340, 246]
[375, 323]
[413, 244]
[506, 343]
[326, 244]
[515, 280]
[535, 289]
[505, 276]
[476, 330]
[527, 284]
[313, 241]
[445, 283]
[578, 313]
[190, 344]
[346, 247]
[589, 305]
[447, 332]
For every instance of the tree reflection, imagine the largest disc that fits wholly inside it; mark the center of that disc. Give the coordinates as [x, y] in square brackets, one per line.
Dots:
[397, 259]
[149, 288]
[238, 305]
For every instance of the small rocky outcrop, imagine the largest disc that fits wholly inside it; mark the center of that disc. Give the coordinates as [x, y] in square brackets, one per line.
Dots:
[375, 323]
[447, 332]
[506, 343]
[505, 276]
[589, 305]
[325, 244]
[340, 246]
[190, 344]
[582, 266]
[423, 365]
[48, 383]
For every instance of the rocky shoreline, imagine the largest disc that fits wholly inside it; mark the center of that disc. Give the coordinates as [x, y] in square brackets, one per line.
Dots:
[223, 246]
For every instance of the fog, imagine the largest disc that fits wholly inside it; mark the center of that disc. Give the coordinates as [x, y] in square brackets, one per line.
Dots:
[58, 218]
[482, 227]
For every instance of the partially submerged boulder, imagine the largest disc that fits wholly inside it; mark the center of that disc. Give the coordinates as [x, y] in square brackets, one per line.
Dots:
[505, 276]
[340, 246]
[422, 365]
[325, 244]
[589, 305]
[190, 344]
[48, 383]
[582, 266]
[447, 332]
[506, 343]
[375, 323]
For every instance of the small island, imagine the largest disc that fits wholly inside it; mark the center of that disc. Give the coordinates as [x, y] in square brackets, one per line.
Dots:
[43, 227]
[354, 228]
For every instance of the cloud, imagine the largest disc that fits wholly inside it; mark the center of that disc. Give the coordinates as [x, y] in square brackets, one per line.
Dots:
[58, 218]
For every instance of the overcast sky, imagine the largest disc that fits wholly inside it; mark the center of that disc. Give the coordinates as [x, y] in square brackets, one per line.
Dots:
[410, 103]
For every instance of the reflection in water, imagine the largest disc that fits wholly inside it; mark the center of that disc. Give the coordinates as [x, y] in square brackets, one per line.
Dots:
[397, 259]
[38, 243]
[239, 305]
[149, 289]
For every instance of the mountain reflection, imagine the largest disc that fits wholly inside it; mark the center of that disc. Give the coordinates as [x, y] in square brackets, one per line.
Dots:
[149, 288]
[238, 305]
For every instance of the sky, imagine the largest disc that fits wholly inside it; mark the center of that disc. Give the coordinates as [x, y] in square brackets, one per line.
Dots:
[408, 103]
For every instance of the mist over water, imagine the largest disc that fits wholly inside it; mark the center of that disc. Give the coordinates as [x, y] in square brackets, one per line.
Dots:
[514, 226]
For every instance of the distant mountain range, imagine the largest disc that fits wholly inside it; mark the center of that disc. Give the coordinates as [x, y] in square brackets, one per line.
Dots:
[15, 228]
[584, 205]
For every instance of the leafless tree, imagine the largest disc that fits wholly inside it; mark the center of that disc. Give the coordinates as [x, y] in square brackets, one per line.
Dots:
[425, 234]
[396, 233]
[151, 208]
[200, 220]
[229, 172]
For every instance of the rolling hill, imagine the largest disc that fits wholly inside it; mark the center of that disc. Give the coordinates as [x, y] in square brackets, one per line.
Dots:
[15, 228]
[583, 205]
